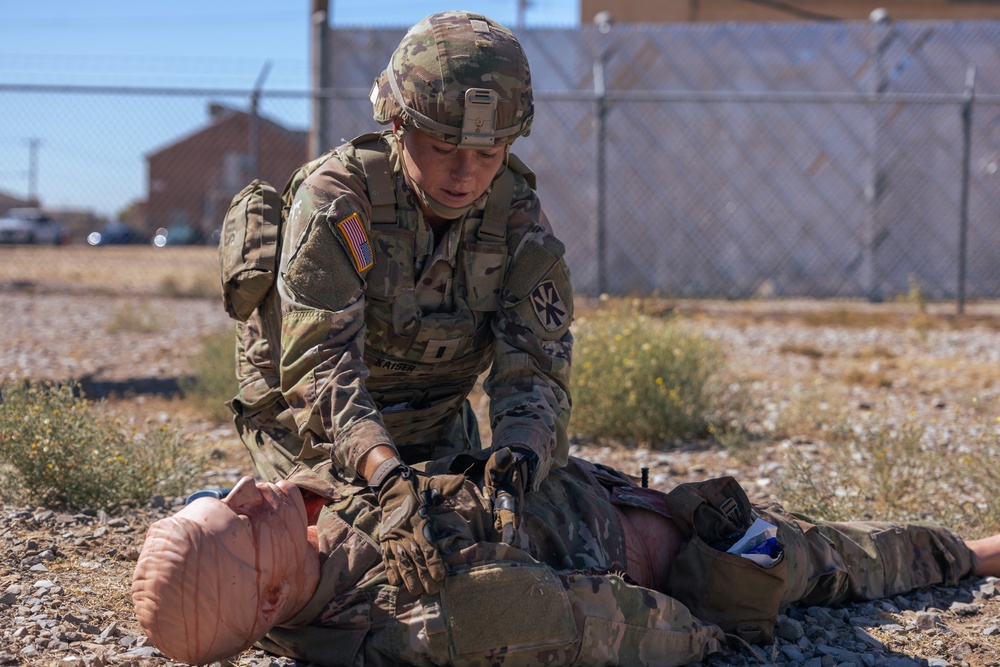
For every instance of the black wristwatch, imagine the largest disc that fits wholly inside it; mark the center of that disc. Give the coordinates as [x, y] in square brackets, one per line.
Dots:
[391, 467]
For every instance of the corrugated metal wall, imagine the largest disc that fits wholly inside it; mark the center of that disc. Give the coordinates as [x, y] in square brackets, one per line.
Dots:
[734, 160]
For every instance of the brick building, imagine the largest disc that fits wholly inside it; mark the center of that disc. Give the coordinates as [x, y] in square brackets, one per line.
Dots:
[192, 181]
[692, 11]
[8, 202]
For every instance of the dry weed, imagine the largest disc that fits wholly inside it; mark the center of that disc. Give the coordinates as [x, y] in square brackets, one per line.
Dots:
[880, 469]
[130, 269]
[138, 318]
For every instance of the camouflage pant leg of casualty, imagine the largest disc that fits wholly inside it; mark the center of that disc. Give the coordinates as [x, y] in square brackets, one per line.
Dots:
[832, 562]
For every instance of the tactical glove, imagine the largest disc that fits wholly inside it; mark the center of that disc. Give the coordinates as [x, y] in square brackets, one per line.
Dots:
[409, 502]
[508, 475]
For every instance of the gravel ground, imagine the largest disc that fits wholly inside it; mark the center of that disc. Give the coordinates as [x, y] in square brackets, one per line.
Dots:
[64, 578]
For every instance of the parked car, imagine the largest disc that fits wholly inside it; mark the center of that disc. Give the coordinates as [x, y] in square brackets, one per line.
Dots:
[31, 225]
[115, 233]
[177, 235]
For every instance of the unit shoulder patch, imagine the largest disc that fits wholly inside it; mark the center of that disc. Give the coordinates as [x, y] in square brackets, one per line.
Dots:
[356, 239]
[549, 307]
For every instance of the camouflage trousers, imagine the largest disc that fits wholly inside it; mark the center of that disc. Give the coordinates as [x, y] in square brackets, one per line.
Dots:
[833, 562]
[818, 562]
[275, 446]
[561, 596]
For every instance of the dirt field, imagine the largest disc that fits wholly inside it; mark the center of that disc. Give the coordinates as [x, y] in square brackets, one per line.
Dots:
[127, 321]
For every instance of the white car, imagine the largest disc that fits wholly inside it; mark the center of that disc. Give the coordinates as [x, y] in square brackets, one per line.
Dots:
[30, 225]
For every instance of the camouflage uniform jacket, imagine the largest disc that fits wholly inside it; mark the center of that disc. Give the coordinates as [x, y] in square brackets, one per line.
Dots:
[560, 597]
[375, 335]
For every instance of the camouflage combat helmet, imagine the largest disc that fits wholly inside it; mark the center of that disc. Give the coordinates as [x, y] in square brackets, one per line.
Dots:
[460, 77]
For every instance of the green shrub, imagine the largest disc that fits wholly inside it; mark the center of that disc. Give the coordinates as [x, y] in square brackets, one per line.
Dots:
[214, 380]
[641, 379]
[59, 450]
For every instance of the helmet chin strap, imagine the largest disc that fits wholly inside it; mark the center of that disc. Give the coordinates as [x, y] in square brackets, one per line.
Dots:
[446, 212]
[443, 210]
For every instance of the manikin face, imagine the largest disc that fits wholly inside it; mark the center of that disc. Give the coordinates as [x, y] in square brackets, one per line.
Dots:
[218, 575]
[455, 177]
[274, 517]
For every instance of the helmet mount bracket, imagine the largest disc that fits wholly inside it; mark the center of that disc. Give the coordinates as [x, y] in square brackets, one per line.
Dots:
[479, 119]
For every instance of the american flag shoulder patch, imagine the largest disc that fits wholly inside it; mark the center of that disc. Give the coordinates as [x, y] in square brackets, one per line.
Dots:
[357, 241]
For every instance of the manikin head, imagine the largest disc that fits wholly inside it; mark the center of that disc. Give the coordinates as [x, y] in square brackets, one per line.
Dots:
[219, 574]
[460, 83]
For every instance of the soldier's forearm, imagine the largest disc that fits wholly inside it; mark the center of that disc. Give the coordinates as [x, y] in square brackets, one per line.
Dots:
[374, 457]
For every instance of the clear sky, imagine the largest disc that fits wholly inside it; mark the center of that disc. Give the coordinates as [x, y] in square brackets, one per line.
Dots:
[193, 41]
[183, 43]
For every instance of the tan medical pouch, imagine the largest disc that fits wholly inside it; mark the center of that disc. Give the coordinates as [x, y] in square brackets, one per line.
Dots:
[735, 593]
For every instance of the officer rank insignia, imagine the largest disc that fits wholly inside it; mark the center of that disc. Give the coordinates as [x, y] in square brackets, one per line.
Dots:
[357, 240]
[548, 306]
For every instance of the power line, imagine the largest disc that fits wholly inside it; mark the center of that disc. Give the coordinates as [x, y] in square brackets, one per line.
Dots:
[792, 10]
[89, 21]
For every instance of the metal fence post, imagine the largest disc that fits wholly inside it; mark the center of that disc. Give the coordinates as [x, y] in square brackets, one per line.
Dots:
[600, 94]
[963, 218]
[885, 34]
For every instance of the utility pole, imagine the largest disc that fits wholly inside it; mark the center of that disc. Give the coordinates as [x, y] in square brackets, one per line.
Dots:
[33, 170]
[253, 166]
[318, 16]
[522, 8]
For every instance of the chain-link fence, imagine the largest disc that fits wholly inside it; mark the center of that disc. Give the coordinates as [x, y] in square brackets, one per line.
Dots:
[821, 160]
[166, 158]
